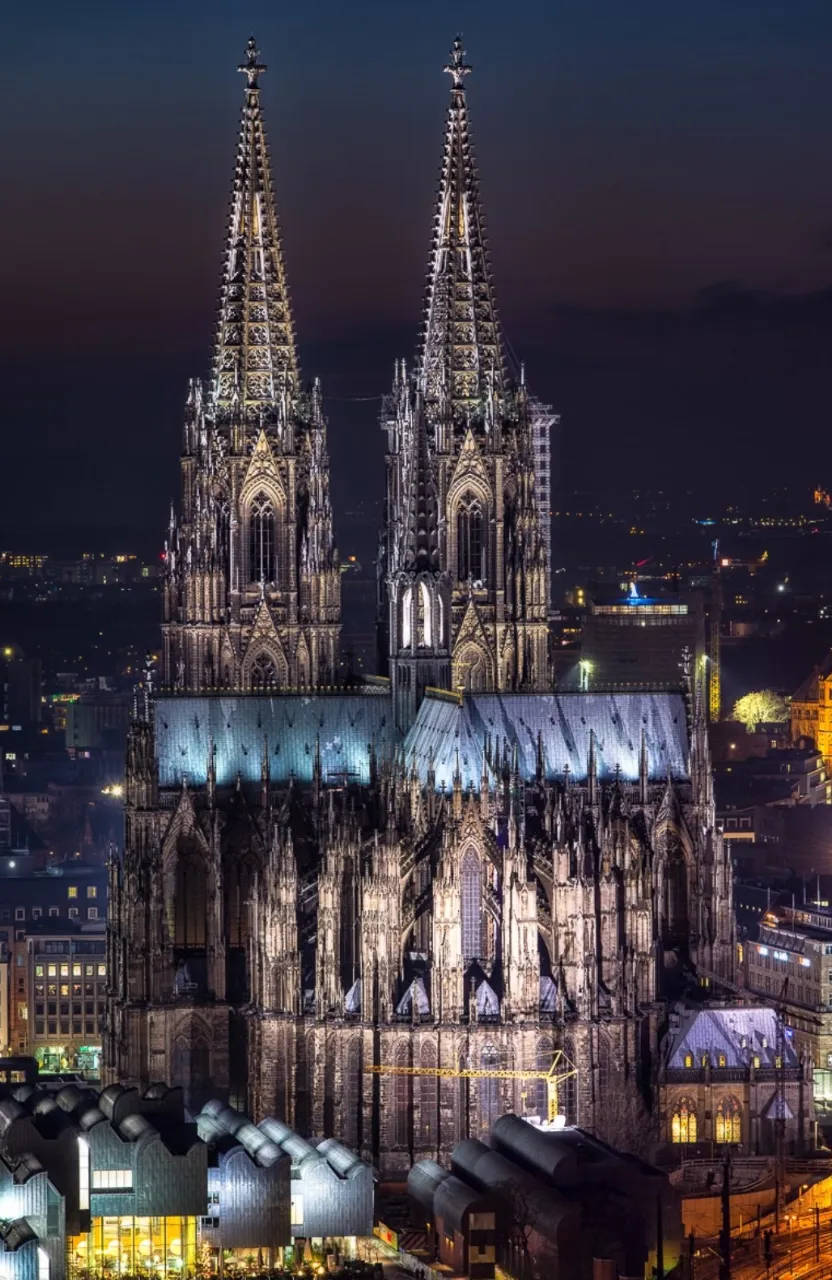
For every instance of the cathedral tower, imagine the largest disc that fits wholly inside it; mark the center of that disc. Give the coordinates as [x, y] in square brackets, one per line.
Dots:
[252, 581]
[461, 461]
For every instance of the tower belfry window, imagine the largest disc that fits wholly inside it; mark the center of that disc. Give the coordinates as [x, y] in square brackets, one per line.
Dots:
[262, 550]
[424, 617]
[469, 532]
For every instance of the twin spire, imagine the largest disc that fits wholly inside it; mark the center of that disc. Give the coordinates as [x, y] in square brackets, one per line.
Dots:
[255, 360]
[460, 359]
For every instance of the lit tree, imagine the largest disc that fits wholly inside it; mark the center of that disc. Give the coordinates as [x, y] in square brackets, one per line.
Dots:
[763, 706]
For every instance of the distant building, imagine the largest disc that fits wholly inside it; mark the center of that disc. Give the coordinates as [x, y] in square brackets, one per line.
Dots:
[794, 943]
[97, 721]
[638, 641]
[53, 920]
[21, 687]
[727, 1074]
[811, 710]
[746, 790]
[540, 1202]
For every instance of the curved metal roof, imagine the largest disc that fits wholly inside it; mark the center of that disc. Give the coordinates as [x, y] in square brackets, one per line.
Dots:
[424, 1179]
[10, 1110]
[454, 1199]
[543, 1151]
[339, 1157]
[277, 1130]
[134, 1126]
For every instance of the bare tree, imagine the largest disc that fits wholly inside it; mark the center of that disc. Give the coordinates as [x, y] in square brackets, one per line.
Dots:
[623, 1120]
[520, 1213]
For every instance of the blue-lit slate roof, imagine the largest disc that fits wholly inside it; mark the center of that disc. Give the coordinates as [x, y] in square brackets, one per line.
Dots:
[564, 722]
[345, 725]
[736, 1033]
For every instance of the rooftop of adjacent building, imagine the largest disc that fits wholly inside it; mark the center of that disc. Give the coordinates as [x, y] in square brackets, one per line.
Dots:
[727, 1037]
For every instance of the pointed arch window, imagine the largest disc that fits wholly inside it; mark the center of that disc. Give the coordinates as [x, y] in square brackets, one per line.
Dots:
[428, 1099]
[683, 1125]
[471, 907]
[352, 1095]
[190, 900]
[402, 1099]
[262, 546]
[407, 618]
[423, 619]
[728, 1126]
[224, 538]
[264, 673]
[489, 1090]
[469, 539]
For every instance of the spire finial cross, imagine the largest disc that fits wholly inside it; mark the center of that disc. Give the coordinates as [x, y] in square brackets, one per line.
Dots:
[251, 67]
[458, 67]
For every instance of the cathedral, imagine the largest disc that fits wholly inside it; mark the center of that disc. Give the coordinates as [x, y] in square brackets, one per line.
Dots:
[369, 908]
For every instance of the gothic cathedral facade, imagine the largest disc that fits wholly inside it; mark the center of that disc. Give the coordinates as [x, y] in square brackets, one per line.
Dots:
[379, 911]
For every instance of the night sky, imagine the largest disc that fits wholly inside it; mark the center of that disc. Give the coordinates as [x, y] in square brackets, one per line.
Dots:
[657, 181]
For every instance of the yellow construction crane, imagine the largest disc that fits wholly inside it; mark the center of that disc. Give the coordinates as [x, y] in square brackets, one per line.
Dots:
[560, 1070]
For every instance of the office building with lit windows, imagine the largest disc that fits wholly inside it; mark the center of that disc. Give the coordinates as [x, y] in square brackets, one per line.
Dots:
[52, 918]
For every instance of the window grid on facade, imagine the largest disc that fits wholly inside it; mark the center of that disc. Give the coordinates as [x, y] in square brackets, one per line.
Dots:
[112, 1179]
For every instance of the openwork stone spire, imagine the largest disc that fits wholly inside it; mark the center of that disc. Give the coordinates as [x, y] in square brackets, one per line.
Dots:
[255, 362]
[460, 359]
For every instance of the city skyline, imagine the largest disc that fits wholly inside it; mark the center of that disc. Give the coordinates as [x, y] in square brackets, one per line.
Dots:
[643, 313]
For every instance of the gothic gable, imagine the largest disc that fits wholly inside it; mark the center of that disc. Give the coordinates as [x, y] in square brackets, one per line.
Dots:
[264, 652]
[183, 825]
[262, 474]
[470, 472]
[473, 657]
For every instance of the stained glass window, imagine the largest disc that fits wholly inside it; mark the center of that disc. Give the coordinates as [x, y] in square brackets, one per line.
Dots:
[683, 1124]
[728, 1127]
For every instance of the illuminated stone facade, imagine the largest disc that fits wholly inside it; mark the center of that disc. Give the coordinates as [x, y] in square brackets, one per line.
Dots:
[463, 570]
[810, 710]
[252, 578]
[317, 883]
